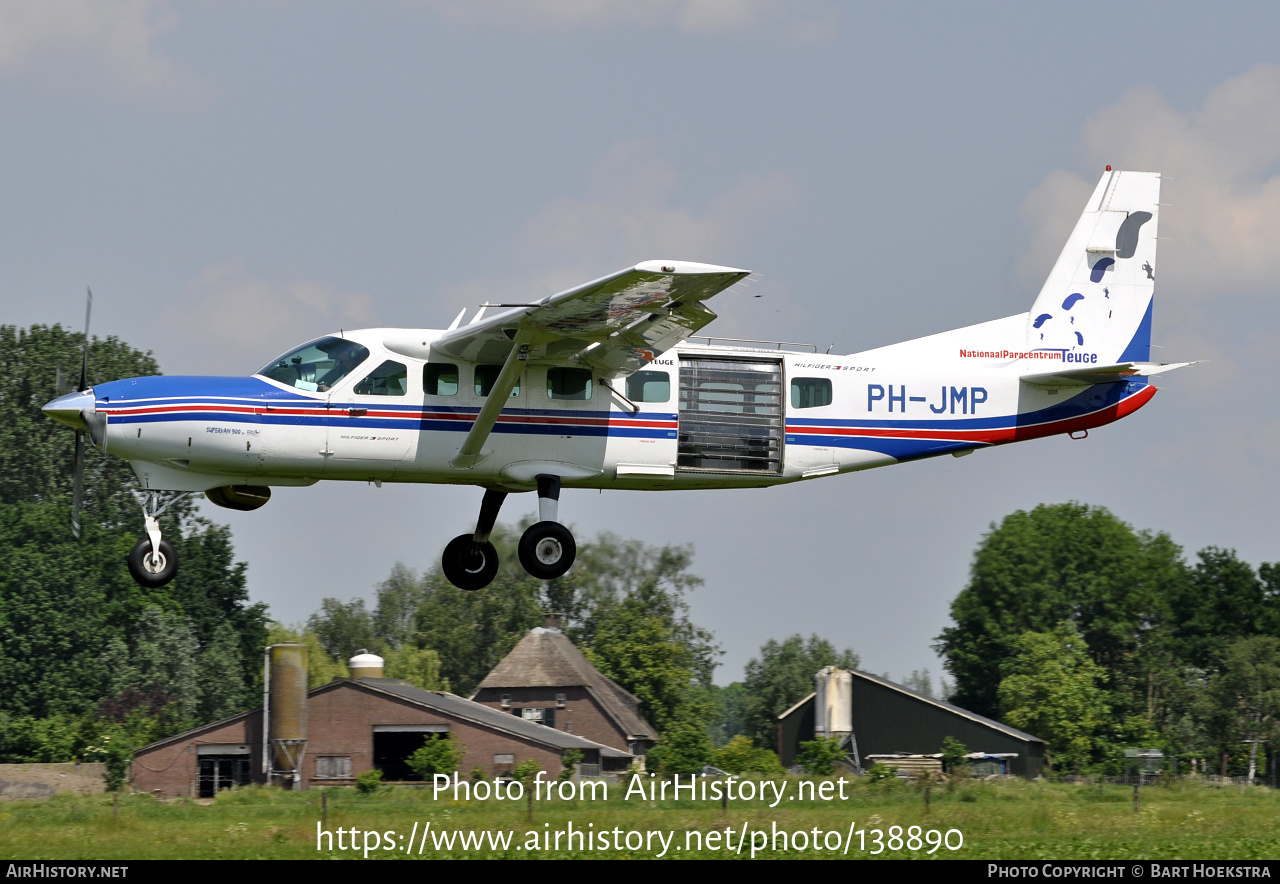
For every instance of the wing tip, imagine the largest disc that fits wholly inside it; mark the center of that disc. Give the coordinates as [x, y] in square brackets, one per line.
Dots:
[685, 268]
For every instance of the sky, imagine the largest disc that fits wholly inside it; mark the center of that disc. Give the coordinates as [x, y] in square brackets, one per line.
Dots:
[235, 178]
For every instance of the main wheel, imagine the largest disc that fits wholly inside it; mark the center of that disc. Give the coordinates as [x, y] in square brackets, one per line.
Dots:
[152, 571]
[469, 565]
[547, 550]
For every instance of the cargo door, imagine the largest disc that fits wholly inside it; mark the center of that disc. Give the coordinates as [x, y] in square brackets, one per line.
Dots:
[730, 414]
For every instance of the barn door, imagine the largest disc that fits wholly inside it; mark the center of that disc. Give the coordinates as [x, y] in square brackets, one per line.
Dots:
[730, 414]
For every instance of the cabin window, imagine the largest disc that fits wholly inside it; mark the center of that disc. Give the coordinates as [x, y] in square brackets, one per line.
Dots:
[568, 383]
[487, 376]
[810, 392]
[649, 386]
[318, 366]
[439, 379]
[388, 379]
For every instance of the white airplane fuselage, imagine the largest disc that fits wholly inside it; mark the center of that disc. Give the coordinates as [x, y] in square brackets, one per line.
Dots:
[712, 417]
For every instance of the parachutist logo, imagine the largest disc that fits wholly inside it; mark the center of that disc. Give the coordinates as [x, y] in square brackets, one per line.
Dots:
[1151, 271]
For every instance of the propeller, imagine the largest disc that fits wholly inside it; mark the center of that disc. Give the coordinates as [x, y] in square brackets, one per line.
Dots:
[77, 482]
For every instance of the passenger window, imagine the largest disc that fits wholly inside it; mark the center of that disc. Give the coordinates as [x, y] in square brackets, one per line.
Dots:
[810, 392]
[487, 375]
[388, 379]
[440, 380]
[649, 386]
[568, 383]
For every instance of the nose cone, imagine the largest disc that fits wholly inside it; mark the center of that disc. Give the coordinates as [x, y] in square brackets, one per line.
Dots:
[67, 409]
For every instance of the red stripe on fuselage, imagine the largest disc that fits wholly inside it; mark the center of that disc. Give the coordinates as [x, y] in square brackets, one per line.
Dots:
[999, 435]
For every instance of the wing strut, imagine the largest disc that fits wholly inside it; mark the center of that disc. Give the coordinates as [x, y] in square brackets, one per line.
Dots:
[470, 453]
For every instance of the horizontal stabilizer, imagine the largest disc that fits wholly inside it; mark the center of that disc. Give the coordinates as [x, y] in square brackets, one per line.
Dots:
[1101, 374]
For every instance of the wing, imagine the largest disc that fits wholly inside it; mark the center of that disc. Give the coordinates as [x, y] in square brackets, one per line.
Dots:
[1101, 374]
[614, 324]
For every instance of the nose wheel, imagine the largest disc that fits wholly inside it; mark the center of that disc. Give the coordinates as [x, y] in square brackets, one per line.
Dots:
[152, 561]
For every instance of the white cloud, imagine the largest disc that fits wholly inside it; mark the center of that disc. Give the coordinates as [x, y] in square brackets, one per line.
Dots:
[1222, 187]
[802, 24]
[230, 324]
[630, 213]
[82, 38]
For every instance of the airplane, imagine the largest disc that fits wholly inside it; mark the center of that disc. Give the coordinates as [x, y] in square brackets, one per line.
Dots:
[609, 385]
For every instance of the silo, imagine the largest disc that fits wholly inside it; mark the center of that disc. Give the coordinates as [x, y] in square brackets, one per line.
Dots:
[365, 665]
[287, 711]
[833, 703]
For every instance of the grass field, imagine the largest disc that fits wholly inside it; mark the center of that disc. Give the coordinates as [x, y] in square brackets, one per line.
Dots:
[999, 820]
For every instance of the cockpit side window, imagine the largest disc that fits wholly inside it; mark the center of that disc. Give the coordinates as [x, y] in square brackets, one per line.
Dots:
[317, 366]
[388, 379]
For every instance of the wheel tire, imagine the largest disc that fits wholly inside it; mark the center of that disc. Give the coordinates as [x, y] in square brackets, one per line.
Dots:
[547, 550]
[149, 573]
[469, 565]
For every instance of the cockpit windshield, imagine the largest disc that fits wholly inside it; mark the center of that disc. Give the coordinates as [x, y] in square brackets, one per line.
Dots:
[317, 366]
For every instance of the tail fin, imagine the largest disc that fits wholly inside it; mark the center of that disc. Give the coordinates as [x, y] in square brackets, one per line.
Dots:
[1095, 307]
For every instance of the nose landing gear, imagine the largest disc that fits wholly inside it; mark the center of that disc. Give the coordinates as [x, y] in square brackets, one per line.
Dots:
[152, 561]
[547, 548]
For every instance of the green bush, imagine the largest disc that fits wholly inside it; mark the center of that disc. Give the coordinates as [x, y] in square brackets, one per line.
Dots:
[569, 761]
[820, 756]
[114, 752]
[742, 756]
[439, 754]
[953, 757]
[369, 781]
[526, 771]
[878, 772]
[685, 749]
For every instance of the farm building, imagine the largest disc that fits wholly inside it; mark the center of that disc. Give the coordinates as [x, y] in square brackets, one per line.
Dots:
[547, 679]
[331, 734]
[882, 718]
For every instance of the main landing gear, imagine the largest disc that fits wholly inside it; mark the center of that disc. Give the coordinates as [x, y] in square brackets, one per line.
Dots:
[547, 548]
[152, 561]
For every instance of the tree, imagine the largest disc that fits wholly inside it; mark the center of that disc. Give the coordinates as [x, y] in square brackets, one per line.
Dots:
[730, 702]
[1223, 600]
[1051, 690]
[63, 601]
[1064, 562]
[685, 748]
[1247, 692]
[419, 666]
[344, 628]
[741, 756]
[782, 676]
[819, 756]
[438, 754]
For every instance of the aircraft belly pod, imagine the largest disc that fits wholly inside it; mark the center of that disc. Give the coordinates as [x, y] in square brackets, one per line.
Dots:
[608, 385]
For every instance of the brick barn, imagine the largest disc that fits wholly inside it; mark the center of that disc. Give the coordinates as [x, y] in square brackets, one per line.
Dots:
[546, 679]
[355, 725]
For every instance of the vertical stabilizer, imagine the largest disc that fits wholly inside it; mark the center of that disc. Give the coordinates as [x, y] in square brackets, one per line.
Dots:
[1095, 307]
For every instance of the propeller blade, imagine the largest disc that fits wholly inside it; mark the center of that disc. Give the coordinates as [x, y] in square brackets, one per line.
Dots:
[84, 364]
[77, 485]
[59, 380]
